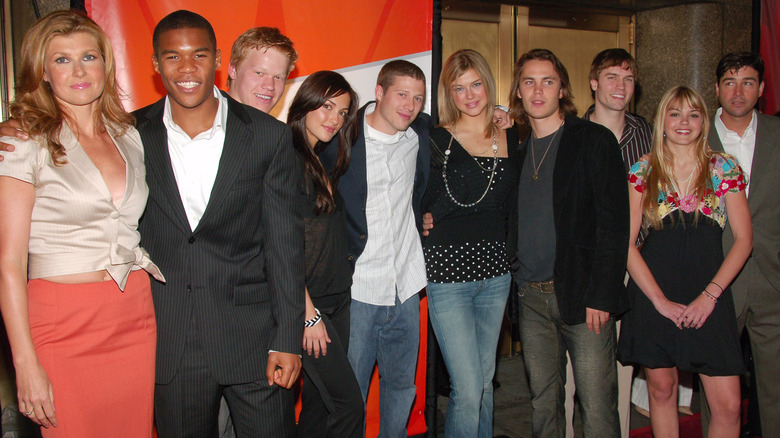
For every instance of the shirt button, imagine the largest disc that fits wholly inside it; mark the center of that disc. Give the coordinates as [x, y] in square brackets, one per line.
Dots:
[114, 215]
[350, 258]
[189, 288]
[191, 240]
[362, 236]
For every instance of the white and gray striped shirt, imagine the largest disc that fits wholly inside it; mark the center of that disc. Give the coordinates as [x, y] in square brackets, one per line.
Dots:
[392, 262]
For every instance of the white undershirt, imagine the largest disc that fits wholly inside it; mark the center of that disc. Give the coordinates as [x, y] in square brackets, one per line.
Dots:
[195, 161]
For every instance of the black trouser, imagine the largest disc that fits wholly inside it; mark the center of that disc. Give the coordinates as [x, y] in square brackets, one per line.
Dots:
[188, 406]
[332, 405]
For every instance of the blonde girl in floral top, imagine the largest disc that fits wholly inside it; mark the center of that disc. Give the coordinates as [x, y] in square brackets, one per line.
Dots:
[683, 314]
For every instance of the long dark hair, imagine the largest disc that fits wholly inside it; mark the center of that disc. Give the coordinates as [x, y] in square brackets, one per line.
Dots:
[314, 92]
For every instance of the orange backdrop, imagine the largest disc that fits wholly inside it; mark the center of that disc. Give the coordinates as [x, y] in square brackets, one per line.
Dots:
[328, 35]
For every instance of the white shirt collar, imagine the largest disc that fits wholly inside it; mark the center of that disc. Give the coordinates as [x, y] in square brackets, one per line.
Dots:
[220, 119]
[721, 128]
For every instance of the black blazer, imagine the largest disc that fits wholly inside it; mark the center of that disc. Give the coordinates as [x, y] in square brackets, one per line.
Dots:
[591, 212]
[238, 276]
[353, 185]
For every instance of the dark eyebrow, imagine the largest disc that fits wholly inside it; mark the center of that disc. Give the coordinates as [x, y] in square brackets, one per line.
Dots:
[198, 50]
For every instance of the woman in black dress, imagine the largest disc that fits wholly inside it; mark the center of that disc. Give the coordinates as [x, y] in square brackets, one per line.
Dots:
[683, 314]
[332, 405]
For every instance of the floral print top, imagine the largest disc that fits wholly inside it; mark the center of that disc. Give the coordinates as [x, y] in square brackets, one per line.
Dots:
[727, 176]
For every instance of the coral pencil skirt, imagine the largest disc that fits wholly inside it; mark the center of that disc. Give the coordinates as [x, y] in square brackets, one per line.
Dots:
[97, 345]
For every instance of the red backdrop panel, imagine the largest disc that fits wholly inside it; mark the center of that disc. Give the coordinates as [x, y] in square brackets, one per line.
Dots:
[327, 35]
[770, 51]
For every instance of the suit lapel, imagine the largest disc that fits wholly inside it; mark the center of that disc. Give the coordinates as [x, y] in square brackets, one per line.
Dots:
[714, 140]
[158, 167]
[237, 139]
[564, 163]
[358, 158]
[762, 162]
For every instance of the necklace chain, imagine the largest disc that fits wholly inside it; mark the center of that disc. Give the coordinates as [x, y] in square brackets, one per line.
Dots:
[492, 171]
[535, 175]
[687, 182]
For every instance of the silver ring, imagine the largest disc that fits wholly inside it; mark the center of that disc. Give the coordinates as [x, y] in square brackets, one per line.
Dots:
[27, 414]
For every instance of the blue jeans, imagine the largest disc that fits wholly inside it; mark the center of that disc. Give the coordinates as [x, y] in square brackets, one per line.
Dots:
[390, 337]
[466, 318]
[546, 338]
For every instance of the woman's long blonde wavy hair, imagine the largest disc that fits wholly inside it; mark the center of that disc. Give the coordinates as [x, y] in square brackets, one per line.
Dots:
[661, 161]
[35, 106]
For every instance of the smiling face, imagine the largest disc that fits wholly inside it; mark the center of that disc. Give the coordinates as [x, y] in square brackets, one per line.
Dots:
[468, 93]
[614, 88]
[259, 79]
[682, 124]
[324, 122]
[739, 90]
[74, 69]
[399, 105]
[540, 90]
[187, 62]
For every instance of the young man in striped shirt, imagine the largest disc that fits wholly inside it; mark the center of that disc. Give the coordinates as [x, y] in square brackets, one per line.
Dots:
[613, 76]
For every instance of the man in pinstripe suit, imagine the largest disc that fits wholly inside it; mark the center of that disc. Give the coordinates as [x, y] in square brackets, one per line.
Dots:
[221, 175]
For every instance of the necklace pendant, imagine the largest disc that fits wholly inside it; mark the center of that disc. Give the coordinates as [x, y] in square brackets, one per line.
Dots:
[535, 176]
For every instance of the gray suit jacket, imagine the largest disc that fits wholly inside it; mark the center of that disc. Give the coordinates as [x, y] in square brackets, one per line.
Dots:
[238, 277]
[764, 201]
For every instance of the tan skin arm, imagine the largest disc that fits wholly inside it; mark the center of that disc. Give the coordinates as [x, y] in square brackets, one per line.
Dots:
[10, 128]
[738, 212]
[283, 369]
[501, 118]
[34, 390]
[638, 269]
[315, 338]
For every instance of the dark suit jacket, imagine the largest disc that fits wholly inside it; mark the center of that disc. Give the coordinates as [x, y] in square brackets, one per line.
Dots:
[238, 277]
[590, 208]
[764, 205]
[353, 185]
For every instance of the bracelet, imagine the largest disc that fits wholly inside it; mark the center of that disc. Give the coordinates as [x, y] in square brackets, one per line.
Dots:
[316, 320]
[709, 295]
[716, 284]
[502, 108]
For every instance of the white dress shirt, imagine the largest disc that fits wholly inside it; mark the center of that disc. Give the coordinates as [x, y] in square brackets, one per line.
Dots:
[742, 148]
[392, 262]
[195, 161]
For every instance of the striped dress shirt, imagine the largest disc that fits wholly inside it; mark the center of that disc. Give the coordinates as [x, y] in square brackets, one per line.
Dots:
[636, 138]
[392, 262]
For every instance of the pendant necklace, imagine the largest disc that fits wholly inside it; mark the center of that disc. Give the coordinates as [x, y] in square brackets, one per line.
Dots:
[492, 171]
[535, 175]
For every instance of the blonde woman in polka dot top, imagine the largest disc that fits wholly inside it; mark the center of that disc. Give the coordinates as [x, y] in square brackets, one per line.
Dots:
[472, 176]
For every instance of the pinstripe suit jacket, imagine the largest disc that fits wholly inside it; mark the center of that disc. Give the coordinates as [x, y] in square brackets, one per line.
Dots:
[238, 277]
[764, 208]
